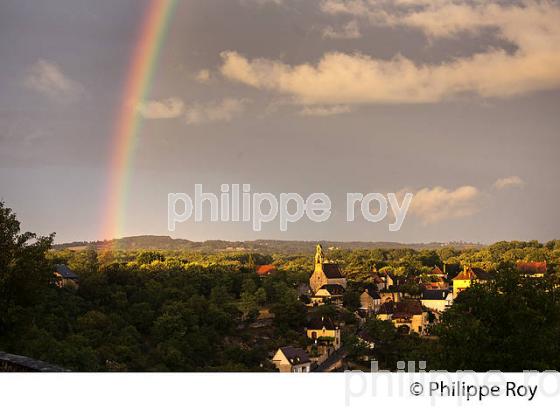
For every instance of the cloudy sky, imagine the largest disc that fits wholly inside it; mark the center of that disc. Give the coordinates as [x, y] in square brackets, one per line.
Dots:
[456, 101]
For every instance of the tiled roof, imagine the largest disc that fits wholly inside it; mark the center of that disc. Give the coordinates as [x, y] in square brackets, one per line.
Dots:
[473, 274]
[65, 272]
[333, 289]
[377, 279]
[436, 271]
[372, 291]
[436, 285]
[332, 271]
[434, 294]
[321, 322]
[263, 270]
[28, 364]
[386, 308]
[482, 274]
[465, 274]
[407, 308]
[531, 267]
[295, 355]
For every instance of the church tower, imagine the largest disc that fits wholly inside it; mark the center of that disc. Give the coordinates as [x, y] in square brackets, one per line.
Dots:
[319, 256]
[325, 272]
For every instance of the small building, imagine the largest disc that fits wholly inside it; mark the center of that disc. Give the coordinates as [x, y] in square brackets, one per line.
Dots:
[437, 279]
[469, 276]
[389, 296]
[330, 293]
[325, 272]
[435, 285]
[389, 279]
[531, 269]
[378, 281]
[483, 276]
[370, 300]
[408, 316]
[323, 331]
[462, 281]
[437, 272]
[65, 278]
[15, 363]
[265, 270]
[386, 310]
[290, 359]
[437, 299]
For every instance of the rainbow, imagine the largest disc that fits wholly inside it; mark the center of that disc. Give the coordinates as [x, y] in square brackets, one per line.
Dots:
[142, 65]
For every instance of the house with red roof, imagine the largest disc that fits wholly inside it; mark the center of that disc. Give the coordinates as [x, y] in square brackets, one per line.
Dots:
[265, 270]
[531, 269]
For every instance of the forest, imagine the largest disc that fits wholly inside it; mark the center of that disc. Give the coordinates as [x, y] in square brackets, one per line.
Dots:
[186, 310]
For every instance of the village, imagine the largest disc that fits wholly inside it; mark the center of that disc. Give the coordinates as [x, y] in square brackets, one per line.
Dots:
[383, 299]
[137, 304]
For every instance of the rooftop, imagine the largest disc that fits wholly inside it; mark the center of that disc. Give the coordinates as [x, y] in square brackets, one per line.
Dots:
[321, 322]
[65, 272]
[531, 267]
[332, 271]
[28, 364]
[435, 294]
[407, 308]
[263, 270]
[372, 291]
[295, 355]
[333, 289]
[469, 273]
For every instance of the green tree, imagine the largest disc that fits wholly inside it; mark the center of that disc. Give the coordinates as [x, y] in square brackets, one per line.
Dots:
[147, 257]
[25, 271]
[511, 324]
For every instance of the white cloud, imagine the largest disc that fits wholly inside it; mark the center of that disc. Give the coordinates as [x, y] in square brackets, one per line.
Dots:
[203, 76]
[260, 2]
[162, 109]
[352, 7]
[221, 111]
[436, 204]
[47, 78]
[324, 111]
[341, 78]
[348, 31]
[509, 182]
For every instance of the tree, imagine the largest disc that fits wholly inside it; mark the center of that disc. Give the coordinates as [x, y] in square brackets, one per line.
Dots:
[24, 269]
[260, 296]
[392, 347]
[85, 262]
[147, 257]
[511, 324]
[289, 312]
[352, 299]
[248, 306]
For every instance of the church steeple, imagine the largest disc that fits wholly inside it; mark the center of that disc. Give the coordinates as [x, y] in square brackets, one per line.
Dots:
[326, 272]
[319, 255]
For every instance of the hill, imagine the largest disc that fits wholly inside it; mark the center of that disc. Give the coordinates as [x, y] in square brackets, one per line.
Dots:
[260, 245]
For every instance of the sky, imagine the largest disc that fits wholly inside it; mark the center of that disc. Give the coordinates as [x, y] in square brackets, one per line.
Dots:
[456, 101]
